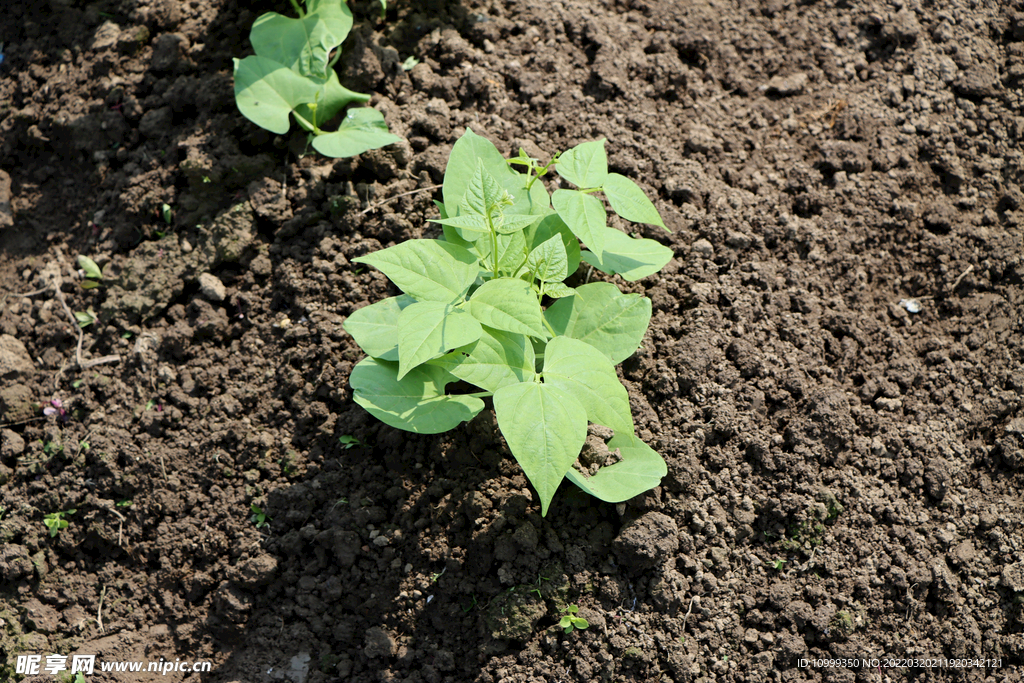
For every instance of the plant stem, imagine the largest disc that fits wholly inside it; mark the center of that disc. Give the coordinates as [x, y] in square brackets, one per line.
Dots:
[298, 9]
[481, 394]
[494, 242]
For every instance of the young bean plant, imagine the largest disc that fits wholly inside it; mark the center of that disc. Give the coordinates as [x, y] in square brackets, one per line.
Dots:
[292, 74]
[488, 304]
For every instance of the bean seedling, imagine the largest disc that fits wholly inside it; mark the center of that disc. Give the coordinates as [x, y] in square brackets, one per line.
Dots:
[473, 309]
[292, 75]
[570, 621]
[55, 521]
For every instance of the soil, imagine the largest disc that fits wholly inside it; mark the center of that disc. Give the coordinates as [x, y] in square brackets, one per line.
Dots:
[834, 369]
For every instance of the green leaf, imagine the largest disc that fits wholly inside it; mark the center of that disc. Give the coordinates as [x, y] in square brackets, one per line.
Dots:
[565, 622]
[484, 196]
[581, 623]
[331, 99]
[629, 201]
[585, 216]
[428, 270]
[548, 262]
[507, 224]
[303, 44]
[472, 222]
[545, 428]
[375, 327]
[579, 369]
[558, 290]
[267, 91]
[90, 268]
[362, 129]
[467, 152]
[631, 258]
[511, 252]
[612, 322]
[641, 469]
[429, 329]
[416, 403]
[584, 165]
[552, 225]
[495, 360]
[508, 304]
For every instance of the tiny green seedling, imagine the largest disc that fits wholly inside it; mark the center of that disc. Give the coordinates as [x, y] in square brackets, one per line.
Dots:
[570, 621]
[410, 63]
[86, 317]
[123, 503]
[778, 564]
[92, 272]
[348, 441]
[488, 304]
[166, 213]
[259, 517]
[55, 521]
[292, 75]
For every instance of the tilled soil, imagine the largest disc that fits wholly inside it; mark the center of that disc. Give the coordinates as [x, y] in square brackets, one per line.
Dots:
[834, 370]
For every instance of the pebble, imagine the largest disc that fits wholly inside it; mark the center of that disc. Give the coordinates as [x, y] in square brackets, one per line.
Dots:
[212, 288]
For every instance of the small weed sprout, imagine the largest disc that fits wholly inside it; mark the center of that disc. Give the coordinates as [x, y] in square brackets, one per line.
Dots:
[348, 441]
[259, 517]
[86, 317]
[92, 273]
[778, 564]
[55, 521]
[570, 621]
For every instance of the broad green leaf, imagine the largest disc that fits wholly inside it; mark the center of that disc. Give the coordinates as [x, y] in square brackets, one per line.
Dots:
[511, 252]
[548, 262]
[641, 469]
[471, 222]
[362, 129]
[467, 152]
[508, 304]
[331, 99]
[584, 165]
[545, 428]
[552, 225]
[581, 370]
[495, 360]
[429, 329]
[416, 403]
[629, 201]
[303, 44]
[631, 258]
[585, 216]
[375, 327]
[90, 268]
[428, 270]
[451, 235]
[558, 290]
[267, 91]
[612, 322]
[484, 196]
[508, 223]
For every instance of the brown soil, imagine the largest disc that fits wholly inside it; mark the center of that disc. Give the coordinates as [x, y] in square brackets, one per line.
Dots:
[845, 473]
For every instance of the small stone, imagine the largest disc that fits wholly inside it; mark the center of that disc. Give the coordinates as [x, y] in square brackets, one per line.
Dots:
[647, 541]
[14, 358]
[106, 36]
[1013, 577]
[11, 444]
[703, 248]
[6, 212]
[212, 288]
[737, 239]
[168, 50]
[379, 643]
[793, 84]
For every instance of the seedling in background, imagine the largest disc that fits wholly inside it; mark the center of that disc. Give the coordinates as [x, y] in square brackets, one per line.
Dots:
[86, 317]
[473, 309]
[55, 521]
[410, 63]
[92, 272]
[292, 75]
[166, 213]
[778, 564]
[570, 621]
[259, 517]
[348, 441]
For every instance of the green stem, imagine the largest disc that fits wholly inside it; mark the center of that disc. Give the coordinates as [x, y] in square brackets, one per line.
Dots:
[548, 325]
[494, 242]
[481, 394]
[298, 9]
